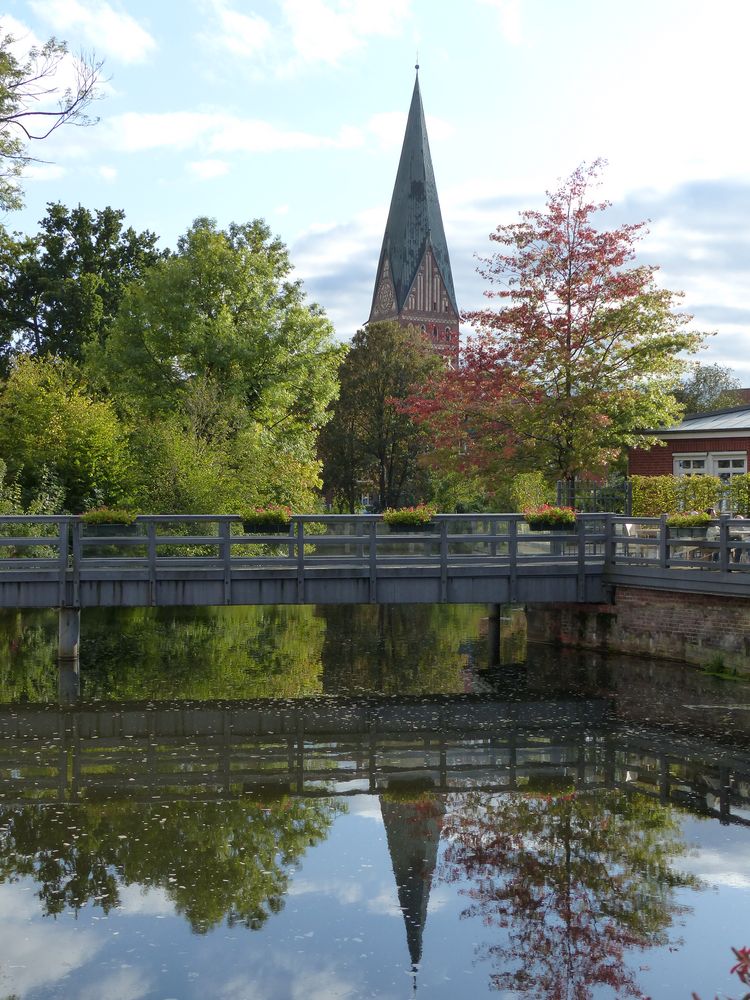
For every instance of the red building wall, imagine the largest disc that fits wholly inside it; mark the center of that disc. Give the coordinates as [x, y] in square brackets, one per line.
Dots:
[657, 461]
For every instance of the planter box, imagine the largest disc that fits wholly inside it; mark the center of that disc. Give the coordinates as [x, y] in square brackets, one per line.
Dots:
[562, 528]
[110, 529]
[411, 529]
[687, 533]
[250, 528]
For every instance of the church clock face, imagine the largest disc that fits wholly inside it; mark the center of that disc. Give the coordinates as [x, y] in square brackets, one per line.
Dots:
[385, 296]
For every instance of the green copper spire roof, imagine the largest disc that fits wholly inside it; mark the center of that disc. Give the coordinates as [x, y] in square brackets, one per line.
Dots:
[414, 219]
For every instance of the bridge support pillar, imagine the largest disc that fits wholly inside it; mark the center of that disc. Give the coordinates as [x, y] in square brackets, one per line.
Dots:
[506, 634]
[68, 682]
[68, 633]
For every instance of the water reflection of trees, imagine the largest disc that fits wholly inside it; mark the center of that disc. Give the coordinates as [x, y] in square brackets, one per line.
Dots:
[400, 649]
[195, 653]
[214, 861]
[574, 882]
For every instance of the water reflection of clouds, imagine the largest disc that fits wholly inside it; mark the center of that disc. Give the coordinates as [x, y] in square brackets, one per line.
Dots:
[723, 857]
[344, 893]
[34, 955]
[122, 984]
[137, 901]
[283, 977]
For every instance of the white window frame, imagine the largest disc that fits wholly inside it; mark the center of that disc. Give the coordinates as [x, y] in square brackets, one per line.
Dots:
[684, 456]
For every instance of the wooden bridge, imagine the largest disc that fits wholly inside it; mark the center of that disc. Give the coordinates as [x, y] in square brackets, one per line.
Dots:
[339, 559]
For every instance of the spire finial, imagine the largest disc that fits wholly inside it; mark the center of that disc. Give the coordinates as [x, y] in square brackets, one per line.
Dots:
[416, 64]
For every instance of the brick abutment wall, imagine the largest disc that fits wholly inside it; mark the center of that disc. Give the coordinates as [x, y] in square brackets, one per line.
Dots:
[701, 629]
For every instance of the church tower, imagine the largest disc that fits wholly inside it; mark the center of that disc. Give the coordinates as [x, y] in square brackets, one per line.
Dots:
[414, 284]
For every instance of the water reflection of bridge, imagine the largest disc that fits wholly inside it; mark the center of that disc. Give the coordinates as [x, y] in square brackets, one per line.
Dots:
[340, 747]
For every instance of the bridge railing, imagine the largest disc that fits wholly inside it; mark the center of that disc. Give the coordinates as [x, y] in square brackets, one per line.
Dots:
[62, 543]
[53, 546]
[650, 542]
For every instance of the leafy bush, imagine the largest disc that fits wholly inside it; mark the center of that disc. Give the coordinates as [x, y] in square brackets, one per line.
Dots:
[654, 495]
[546, 516]
[106, 515]
[698, 492]
[739, 494]
[409, 516]
[530, 489]
[270, 520]
[688, 520]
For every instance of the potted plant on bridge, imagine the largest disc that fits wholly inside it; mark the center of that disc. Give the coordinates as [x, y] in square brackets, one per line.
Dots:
[409, 519]
[548, 518]
[688, 524]
[275, 519]
[103, 521]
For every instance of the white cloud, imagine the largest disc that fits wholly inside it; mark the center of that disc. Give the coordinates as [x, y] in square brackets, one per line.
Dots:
[111, 32]
[311, 32]
[245, 35]
[43, 172]
[206, 170]
[108, 173]
[220, 133]
[509, 18]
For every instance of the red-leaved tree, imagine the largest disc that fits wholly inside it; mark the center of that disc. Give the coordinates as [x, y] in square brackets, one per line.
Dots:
[580, 351]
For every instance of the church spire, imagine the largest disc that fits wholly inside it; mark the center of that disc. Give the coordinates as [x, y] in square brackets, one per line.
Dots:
[414, 283]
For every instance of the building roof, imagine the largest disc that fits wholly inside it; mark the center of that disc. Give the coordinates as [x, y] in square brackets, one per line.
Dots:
[736, 418]
[414, 219]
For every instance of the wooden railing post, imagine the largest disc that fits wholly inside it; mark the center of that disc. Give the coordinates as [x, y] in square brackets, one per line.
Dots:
[372, 553]
[581, 583]
[151, 549]
[225, 547]
[443, 561]
[513, 559]
[62, 560]
[76, 528]
[663, 547]
[723, 545]
[300, 562]
[609, 542]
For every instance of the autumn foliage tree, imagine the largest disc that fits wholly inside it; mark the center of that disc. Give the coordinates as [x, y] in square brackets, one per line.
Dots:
[582, 351]
[568, 886]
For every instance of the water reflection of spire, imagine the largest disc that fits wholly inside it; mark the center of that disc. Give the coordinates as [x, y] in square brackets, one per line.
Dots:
[413, 820]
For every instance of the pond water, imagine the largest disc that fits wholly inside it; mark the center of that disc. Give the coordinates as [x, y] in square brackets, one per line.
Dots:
[302, 803]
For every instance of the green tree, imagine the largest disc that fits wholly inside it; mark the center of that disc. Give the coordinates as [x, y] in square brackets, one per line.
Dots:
[33, 104]
[369, 440]
[709, 387]
[51, 423]
[64, 286]
[584, 351]
[222, 308]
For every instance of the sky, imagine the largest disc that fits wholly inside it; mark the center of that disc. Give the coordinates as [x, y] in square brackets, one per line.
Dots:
[294, 111]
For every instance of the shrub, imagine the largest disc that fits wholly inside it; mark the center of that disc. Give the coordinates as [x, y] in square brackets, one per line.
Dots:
[546, 516]
[266, 520]
[688, 520]
[739, 494]
[106, 515]
[530, 489]
[409, 516]
[698, 492]
[654, 495]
